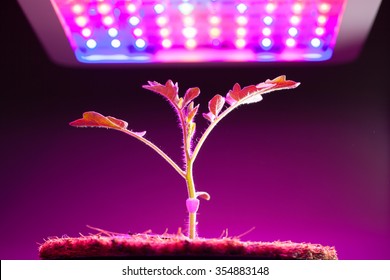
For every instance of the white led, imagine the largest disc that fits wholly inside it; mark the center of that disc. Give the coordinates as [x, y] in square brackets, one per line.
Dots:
[315, 42]
[297, 8]
[137, 32]
[320, 31]
[77, 9]
[190, 44]
[268, 20]
[131, 8]
[241, 32]
[166, 43]
[290, 42]
[266, 31]
[140, 43]
[104, 8]
[270, 7]
[294, 20]
[189, 32]
[81, 21]
[241, 8]
[159, 8]
[215, 32]
[292, 31]
[115, 43]
[134, 20]
[322, 19]
[324, 8]
[242, 20]
[86, 32]
[161, 21]
[107, 20]
[266, 42]
[214, 20]
[186, 8]
[91, 43]
[240, 43]
[164, 32]
[113, 32]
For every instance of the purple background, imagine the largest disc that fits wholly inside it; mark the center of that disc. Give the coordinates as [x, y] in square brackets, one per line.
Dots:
[307, 165]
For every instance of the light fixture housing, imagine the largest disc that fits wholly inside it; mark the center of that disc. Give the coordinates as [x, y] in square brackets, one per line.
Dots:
[128, 32]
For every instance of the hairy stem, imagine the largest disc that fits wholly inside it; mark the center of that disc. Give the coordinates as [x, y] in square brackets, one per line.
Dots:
[159, 151]
[189, 175]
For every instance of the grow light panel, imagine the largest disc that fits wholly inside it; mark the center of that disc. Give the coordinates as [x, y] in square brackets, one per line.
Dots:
[155, 31]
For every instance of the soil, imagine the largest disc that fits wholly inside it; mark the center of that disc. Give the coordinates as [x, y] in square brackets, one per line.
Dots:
[147, 246]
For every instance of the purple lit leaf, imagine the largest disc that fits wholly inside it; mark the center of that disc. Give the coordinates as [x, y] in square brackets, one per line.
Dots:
[191, 114]
[94, 119]
[203, 195]
[190, 95]
[280, 83]
[118, 122]
[237, 94]
[216, 104]
[252, 94]
[169, 90]
[209, 116]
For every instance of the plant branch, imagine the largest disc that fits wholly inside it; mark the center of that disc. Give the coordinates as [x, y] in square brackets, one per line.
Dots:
[181, 172]
[208, 130]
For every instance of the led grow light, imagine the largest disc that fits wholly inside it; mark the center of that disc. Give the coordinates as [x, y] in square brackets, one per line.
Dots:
[152, 31]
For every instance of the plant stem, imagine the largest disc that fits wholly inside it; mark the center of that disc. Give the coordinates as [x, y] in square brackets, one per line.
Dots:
[192, 225]
[189, 175]
[190, 181]
[191, 194]
[159, 151]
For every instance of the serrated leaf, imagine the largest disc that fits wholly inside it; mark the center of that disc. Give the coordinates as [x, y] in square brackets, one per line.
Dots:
[281, 83]
[236, 94]
[216, 104]
[252, 94]
[94, 119]
[169, 90]
[190, 95]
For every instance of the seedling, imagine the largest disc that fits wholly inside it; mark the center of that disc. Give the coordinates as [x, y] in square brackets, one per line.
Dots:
[219, 107]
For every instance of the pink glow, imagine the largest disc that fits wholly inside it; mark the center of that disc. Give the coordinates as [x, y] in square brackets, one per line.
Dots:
[240, 27]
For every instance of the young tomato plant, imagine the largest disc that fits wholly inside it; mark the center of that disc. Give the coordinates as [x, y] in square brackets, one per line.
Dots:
[219, 107]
